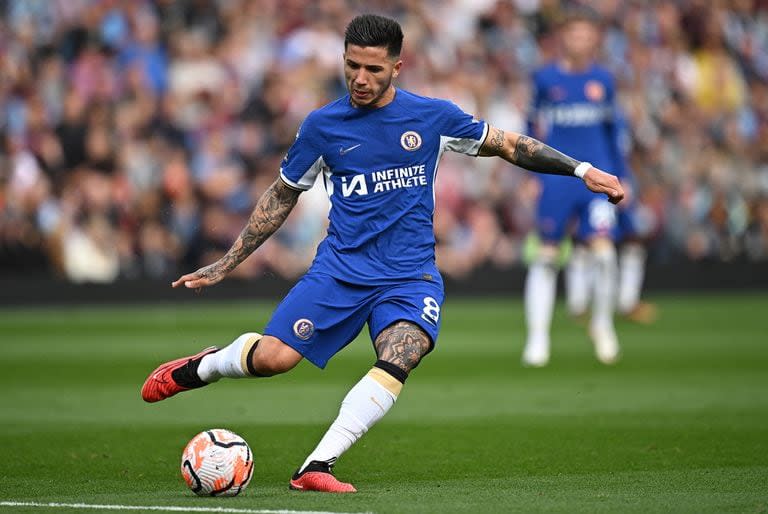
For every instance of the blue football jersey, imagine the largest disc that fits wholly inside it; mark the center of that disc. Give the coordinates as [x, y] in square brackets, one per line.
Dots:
[576, 113]
[378, 166]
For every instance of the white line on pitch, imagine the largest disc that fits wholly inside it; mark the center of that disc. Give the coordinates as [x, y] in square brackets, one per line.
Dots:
[162, 508]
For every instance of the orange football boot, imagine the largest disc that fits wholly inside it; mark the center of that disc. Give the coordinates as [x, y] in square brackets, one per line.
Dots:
[317, 476]
[644, 313]
[174, 377]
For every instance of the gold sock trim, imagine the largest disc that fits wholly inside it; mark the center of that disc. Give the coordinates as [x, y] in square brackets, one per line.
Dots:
[254, 338]
[386, 380]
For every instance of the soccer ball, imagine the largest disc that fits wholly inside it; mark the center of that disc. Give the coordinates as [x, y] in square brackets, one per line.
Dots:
[217, 462]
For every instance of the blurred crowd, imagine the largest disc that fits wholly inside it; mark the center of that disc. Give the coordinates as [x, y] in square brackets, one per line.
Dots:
[137, 134]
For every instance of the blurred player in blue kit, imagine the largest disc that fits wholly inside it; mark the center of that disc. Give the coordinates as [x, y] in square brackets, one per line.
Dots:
[574, 110]
[376, 150]
[630, 241]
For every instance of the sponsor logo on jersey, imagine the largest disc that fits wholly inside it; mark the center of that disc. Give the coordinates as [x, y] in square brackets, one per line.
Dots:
[303, 328]
[576, 114]
[410, 140]
[594, 91]
[385, 180]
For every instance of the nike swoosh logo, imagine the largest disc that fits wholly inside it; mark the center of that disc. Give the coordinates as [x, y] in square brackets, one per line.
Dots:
[378, 404]
[343, 151]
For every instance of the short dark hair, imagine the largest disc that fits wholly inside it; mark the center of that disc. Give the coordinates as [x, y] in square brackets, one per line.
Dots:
[374, 30]
[581, 13]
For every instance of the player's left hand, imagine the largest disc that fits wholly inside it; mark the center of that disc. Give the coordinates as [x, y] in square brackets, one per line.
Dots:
[601, 182]
[629, 193]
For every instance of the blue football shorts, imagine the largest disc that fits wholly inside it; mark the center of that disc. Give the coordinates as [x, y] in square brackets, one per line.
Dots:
[321, 315]
[564, 202]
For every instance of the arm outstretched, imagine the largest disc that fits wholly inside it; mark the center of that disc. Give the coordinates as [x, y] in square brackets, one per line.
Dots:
[270, 212]
[532, 154]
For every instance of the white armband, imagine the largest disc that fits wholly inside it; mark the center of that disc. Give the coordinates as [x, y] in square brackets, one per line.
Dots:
[582, 169]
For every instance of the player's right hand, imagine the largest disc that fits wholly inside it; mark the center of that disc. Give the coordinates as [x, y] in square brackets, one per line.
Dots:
[206, 276]
[601, 182]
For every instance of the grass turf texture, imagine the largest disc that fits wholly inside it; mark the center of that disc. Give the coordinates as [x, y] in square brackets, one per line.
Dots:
[680, 425]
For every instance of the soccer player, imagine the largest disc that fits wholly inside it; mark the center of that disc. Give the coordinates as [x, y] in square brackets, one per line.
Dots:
[631, 253]
[377, 150]
[573, 110]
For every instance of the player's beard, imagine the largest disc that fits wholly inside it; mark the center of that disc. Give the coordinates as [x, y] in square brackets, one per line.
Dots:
[374, 99]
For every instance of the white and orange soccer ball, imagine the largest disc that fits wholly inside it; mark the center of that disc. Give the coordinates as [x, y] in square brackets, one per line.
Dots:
[217, 462]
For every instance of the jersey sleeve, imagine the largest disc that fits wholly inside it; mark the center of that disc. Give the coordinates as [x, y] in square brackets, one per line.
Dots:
[460, 131]
[304, 160]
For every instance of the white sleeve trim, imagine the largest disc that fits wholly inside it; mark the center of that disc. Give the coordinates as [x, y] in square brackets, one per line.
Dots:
[288, 181]
[465, 145]
[486, 129]
[307, 180]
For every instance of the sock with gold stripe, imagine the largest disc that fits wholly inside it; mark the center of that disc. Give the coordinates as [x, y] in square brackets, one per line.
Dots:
[232, 361]
[365, 404]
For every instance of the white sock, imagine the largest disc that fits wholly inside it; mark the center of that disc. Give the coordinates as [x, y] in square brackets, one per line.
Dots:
[364, 405]
[577, 281]
[540, 288]
[604, 280]
[631, 275]
[230, 361]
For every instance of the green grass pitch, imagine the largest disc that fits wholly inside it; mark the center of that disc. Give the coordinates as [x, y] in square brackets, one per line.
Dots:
[679, 425]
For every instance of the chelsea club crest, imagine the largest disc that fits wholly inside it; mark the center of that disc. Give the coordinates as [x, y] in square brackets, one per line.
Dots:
[410, 140]
[303, 329]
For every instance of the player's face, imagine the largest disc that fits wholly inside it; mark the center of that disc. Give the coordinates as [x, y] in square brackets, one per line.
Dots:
[580, 39]
[369, 72]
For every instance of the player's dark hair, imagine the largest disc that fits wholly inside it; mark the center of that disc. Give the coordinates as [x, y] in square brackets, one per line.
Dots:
[581, 13]
[374, 30]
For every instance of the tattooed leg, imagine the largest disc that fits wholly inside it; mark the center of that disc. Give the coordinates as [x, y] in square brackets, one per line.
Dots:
[399, 347]
[402, 344]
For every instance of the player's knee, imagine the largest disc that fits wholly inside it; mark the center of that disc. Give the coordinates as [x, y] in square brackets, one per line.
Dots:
[547, 255]
[403, 344]
[603, 251]
[579, 253]
[633, 250]
[405, 363]
[273, 357]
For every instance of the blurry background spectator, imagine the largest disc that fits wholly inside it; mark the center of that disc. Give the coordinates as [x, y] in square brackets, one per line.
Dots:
[137, 134]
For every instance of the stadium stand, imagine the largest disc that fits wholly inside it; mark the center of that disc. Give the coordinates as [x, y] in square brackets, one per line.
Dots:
[136, 135]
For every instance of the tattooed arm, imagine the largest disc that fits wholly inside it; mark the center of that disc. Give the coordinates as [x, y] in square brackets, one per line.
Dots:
[270, 212]
[532, 154]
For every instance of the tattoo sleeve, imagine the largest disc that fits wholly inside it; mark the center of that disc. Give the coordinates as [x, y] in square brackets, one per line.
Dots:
[402, 344]
[534, 155]
[497, 141]
[270, 212]
[528, 153]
